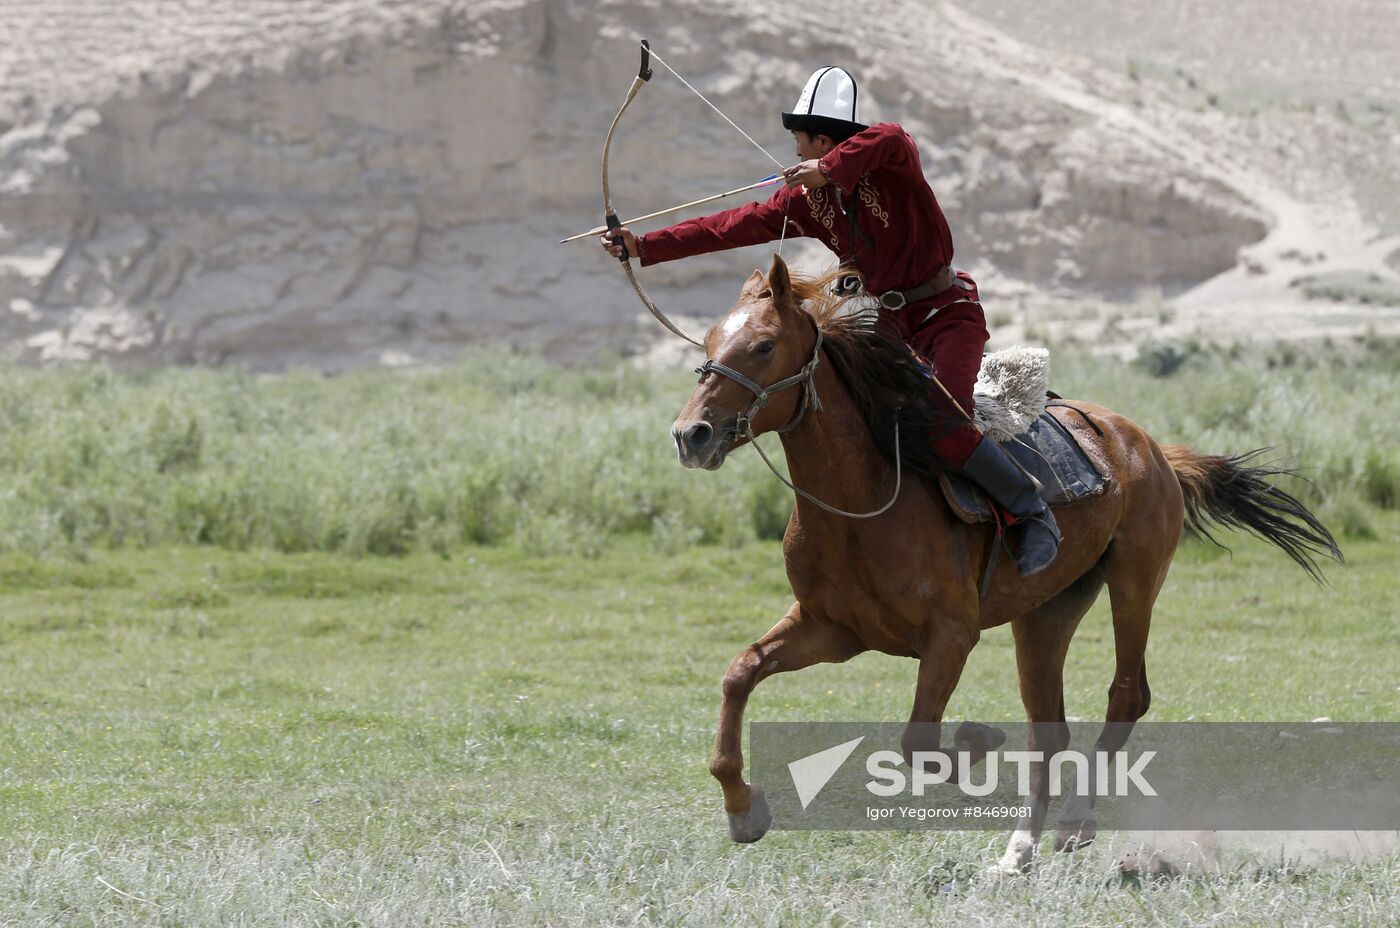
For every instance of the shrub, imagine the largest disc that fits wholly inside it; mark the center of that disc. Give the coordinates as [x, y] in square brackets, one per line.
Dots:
[1346, 515]
[1380, 479]
[509, 449]
[1162, 359]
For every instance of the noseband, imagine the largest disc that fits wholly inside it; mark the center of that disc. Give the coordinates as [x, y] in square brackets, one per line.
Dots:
[743, 426]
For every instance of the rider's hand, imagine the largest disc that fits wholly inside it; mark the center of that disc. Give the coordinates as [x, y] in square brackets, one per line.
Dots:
[627, 237]
[807, 174]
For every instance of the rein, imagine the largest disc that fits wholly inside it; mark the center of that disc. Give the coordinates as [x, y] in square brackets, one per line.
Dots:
[806, 377]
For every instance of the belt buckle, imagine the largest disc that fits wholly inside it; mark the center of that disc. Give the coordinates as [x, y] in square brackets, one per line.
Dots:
[895, 294]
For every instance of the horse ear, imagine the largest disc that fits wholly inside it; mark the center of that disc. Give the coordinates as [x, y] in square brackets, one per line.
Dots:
[779, 282]
[754, 284]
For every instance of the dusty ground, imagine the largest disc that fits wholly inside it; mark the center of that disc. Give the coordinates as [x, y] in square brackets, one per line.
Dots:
[1302, 115]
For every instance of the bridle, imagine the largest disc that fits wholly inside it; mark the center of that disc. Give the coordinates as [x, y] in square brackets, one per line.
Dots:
[743, 426]
[806, 377]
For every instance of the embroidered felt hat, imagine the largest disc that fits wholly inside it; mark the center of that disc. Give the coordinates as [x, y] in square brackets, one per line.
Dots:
[829, 105]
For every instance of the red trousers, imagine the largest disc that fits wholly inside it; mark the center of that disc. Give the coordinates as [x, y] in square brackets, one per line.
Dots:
[953, 341]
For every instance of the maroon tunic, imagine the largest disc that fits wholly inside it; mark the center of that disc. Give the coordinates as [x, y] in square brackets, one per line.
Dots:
[878, 214]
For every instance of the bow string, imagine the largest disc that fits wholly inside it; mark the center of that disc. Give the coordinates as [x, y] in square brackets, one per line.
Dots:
[644, 73]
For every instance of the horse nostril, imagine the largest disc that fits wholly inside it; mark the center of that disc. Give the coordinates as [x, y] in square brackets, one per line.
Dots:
[697, 436]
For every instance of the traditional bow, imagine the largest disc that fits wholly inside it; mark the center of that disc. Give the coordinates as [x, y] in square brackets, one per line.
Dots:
[610, 215]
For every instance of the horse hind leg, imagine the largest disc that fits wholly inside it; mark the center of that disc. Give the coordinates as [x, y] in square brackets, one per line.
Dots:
[1042, 640]
[1135, 574]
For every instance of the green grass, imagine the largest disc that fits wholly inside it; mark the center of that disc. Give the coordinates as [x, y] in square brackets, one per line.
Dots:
[221, 708]
[259, 738]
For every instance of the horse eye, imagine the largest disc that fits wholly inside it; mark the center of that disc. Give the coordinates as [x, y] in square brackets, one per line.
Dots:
[764, 347]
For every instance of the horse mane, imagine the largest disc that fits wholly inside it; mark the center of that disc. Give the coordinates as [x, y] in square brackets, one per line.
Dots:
[885, 377]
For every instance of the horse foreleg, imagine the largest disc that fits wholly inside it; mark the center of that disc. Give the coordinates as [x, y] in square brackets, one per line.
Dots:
[939, 670]
[798, 640]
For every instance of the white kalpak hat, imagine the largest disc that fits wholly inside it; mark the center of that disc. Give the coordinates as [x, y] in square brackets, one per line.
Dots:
[829, 105]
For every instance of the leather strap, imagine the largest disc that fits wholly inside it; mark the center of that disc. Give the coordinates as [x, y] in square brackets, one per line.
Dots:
[897, 299]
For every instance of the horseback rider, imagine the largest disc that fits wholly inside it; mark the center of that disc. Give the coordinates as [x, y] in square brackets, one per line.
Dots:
[861, 191]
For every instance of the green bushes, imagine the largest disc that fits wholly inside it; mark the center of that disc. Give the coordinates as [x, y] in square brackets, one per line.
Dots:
[508, 449]
[1380, 479]
[501, 450]
[1332, 415]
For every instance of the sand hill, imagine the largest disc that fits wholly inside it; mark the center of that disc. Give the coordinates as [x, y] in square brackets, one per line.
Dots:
[337, 183]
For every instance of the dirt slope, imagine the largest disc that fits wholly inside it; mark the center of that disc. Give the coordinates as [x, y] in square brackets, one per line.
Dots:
[337, 183]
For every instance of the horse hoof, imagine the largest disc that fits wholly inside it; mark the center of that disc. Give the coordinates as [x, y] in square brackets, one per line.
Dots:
[979, 738]
[1074, 835]
[1155, 866]
[753, 824]
[1002, 870]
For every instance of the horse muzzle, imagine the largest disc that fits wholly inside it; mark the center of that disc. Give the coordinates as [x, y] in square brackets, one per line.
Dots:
[698, 444]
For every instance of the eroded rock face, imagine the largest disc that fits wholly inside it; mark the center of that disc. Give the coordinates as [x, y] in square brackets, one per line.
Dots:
[392, 189]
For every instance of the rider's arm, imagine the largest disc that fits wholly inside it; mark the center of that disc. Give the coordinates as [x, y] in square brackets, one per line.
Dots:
[750, 224]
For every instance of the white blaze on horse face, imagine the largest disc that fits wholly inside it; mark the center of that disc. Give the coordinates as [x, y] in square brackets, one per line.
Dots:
[734, 323]
[730, 329]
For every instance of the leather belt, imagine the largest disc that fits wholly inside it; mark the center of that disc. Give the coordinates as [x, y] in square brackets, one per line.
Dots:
[898, 299]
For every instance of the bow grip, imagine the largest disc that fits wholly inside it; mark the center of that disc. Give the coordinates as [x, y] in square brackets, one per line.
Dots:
[615, 223]
[644, 72]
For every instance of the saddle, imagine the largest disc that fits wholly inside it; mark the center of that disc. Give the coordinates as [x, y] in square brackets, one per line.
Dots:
[1010, 403]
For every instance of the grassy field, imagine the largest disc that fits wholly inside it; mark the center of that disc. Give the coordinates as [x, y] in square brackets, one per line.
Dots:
[277, 726]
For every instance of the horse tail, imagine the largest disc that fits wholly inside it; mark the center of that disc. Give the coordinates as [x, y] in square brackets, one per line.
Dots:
[1233, 492]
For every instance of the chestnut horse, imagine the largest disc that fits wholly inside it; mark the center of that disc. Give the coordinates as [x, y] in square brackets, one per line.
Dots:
[906, 582]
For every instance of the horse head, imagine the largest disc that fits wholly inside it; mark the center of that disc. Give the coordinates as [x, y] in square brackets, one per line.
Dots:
[762, 347]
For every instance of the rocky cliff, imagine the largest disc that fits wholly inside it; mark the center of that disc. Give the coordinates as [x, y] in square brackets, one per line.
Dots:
[329, 184]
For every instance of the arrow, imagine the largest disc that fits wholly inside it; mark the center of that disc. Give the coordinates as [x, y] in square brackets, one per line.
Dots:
[771, 179]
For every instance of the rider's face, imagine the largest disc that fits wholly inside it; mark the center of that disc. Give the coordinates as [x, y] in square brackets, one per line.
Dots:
[811, 146]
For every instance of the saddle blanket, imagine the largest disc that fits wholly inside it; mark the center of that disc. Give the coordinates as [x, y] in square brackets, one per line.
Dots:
[1049, 453]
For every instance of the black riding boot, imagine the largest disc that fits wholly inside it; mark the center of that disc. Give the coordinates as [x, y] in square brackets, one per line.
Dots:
[1013, 489]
